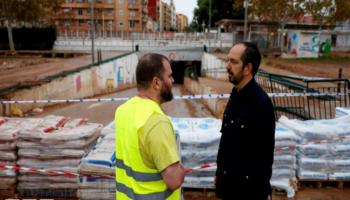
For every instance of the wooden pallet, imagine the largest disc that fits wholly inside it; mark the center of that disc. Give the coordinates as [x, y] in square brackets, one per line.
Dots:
[340, 183]
[198, 192]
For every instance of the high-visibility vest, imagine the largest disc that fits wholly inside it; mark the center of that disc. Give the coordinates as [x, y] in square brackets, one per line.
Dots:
[134, 179]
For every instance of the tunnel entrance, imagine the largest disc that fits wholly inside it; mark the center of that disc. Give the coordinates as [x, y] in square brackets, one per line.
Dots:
[178, 68]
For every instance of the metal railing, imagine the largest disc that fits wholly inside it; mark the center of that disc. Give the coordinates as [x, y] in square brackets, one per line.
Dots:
[301, 107]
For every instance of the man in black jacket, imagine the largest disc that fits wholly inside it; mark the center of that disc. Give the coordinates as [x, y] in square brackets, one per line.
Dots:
[245, 154]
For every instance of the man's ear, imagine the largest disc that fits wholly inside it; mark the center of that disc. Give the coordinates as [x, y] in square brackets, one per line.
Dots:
[249, 69]
[156, 83]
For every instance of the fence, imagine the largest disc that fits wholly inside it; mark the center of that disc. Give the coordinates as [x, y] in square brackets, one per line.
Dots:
[302, 107]
[137, 35]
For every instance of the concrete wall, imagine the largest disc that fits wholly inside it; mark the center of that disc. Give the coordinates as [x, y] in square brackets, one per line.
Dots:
[215, 105]
[109, 77]
[213, 67]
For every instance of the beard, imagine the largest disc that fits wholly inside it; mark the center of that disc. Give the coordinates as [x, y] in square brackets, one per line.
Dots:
[236, 78]
[166, 94]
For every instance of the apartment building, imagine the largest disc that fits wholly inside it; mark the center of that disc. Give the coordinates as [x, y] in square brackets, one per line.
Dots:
[178, 22]
[109, 15]
[182, 22]
[163, 12]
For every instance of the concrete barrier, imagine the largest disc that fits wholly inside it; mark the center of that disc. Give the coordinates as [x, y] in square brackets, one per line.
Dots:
[217, 106]
[213, 67]
[109, 77]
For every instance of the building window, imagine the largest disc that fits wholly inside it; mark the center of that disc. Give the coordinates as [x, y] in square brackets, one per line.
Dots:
[121, 24]
[81, 23]
[89, 23]
[132, 24]
[80, 1]
[66, 10]
[88, 11]
[88, 1]
[121, 12]
[80, 12]
[99, 1]
[121, 1]
[109, 1]
[66, 23]
[110, 11]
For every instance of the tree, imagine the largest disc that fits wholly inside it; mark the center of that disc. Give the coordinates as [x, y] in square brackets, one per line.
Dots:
[280, 11]
[321, 11]
[220, 9]
[28, 10]
[172, 29]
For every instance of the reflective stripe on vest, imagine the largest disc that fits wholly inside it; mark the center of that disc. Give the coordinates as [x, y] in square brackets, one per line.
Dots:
[154, 196]
[138, 176]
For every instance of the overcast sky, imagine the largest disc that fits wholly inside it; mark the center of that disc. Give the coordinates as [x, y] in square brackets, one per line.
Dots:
[185, 7]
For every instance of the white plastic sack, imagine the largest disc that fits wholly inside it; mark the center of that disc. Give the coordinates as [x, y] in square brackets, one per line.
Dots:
[285, 159]
[62, 185]
[312, 175]
[108, 141]
[8, 163]
[340, 112]
[286, 152]
[55, 121]
[210, 171]
[37, 132]
[110, 128]
[285, 184]
[281, 144]
[98, 161]
[340, 149]
[8, 145]
[339, 176]
[2, 120]
[62, 178]
[6, 180]
[199, 139]
[72, 123]
[313, 149]
[339, 163]
[95, 182]
[283, 173]
[9, 134]
[31, 144]
[37, 163]
[101, 194]
[284, 166]
[198, 182]
[32, 177]
[312, 163]
[8, 155]
[8, 172]
[283, 133]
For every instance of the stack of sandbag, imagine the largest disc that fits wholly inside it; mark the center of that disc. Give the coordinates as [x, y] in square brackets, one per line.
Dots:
[200, 138]
[57, 144]
[283, 168]
[110, 128]
[323, 160]
[10, 129]
[341, 112]
[99, 161]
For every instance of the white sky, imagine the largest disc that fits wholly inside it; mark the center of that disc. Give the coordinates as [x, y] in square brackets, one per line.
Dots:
[185, 7]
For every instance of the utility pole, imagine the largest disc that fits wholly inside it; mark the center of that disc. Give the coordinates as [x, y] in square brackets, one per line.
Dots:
[103, 24]
[92, 32]
[203, 25]
[132, 21]
[245, 21]
[209, 23]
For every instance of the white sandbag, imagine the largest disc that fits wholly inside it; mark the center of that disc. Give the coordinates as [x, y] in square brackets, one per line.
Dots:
[110, 128]
[284, 166]
[198, 182]
[339, 163]
[98, 161]
[9, 134]
[340, 112]
[37, 132]
[54, 169]
[313, 149]
[55, 154]
[95, 182]
[281, 144]
[2, 120]
[32, 177]
[317, 129]
[320, 156]
[6, 180]
[62, 178]
[31, 122]
[8, 145]
[283, 133]
[29, 152]
[312, 163]
[37, 163]
[108, 141]
[8, 155]
[76, 144]
[8, 163]
[312, 175]
[11, 123]
[8, 172]
[34, 185]
[101, 194]
[286, 184]
[55, 121]
[199, 139]
[339, 176]
[32, 193]
[324, 170]
[31, 144]
[66, 134]
[286, 152]
[283, 173]
[340, 149]
[284, 159]
[75, 122]
[54, 185]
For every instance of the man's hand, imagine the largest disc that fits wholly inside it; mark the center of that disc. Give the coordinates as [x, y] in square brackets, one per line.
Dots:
[215, 179]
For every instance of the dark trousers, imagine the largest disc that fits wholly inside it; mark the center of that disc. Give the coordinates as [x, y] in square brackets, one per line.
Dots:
[248, 197]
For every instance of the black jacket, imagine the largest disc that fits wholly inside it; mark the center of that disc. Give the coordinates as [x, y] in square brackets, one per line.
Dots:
[246, 149]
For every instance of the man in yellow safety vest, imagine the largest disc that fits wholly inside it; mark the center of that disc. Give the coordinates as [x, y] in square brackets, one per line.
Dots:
[147, 161]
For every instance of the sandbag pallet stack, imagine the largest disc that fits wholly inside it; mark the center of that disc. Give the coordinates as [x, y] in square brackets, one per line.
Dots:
[99, 161]
[56, 144]
[326, 160]
[283, 168]
[10, 129]
[200, 139]
[341, 112]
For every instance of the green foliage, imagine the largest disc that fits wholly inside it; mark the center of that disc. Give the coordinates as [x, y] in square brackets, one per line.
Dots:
[172, 29]
[35, 38]
[220, 9]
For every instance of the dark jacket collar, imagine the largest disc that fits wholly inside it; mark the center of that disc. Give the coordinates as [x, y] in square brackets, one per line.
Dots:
[245, 92]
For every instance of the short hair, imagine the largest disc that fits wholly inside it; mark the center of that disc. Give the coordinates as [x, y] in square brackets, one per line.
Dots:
[149, 66]
[251, 55]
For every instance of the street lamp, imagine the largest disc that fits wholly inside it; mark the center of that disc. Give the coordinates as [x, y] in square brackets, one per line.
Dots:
[203, 25]
[245, 20]
[92, 32]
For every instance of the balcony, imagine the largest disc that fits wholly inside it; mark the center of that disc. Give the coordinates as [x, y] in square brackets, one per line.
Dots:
[144, 19]
[137, 17]
[135, 7]
[144, 9]
[87, 5]
[136, 29]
